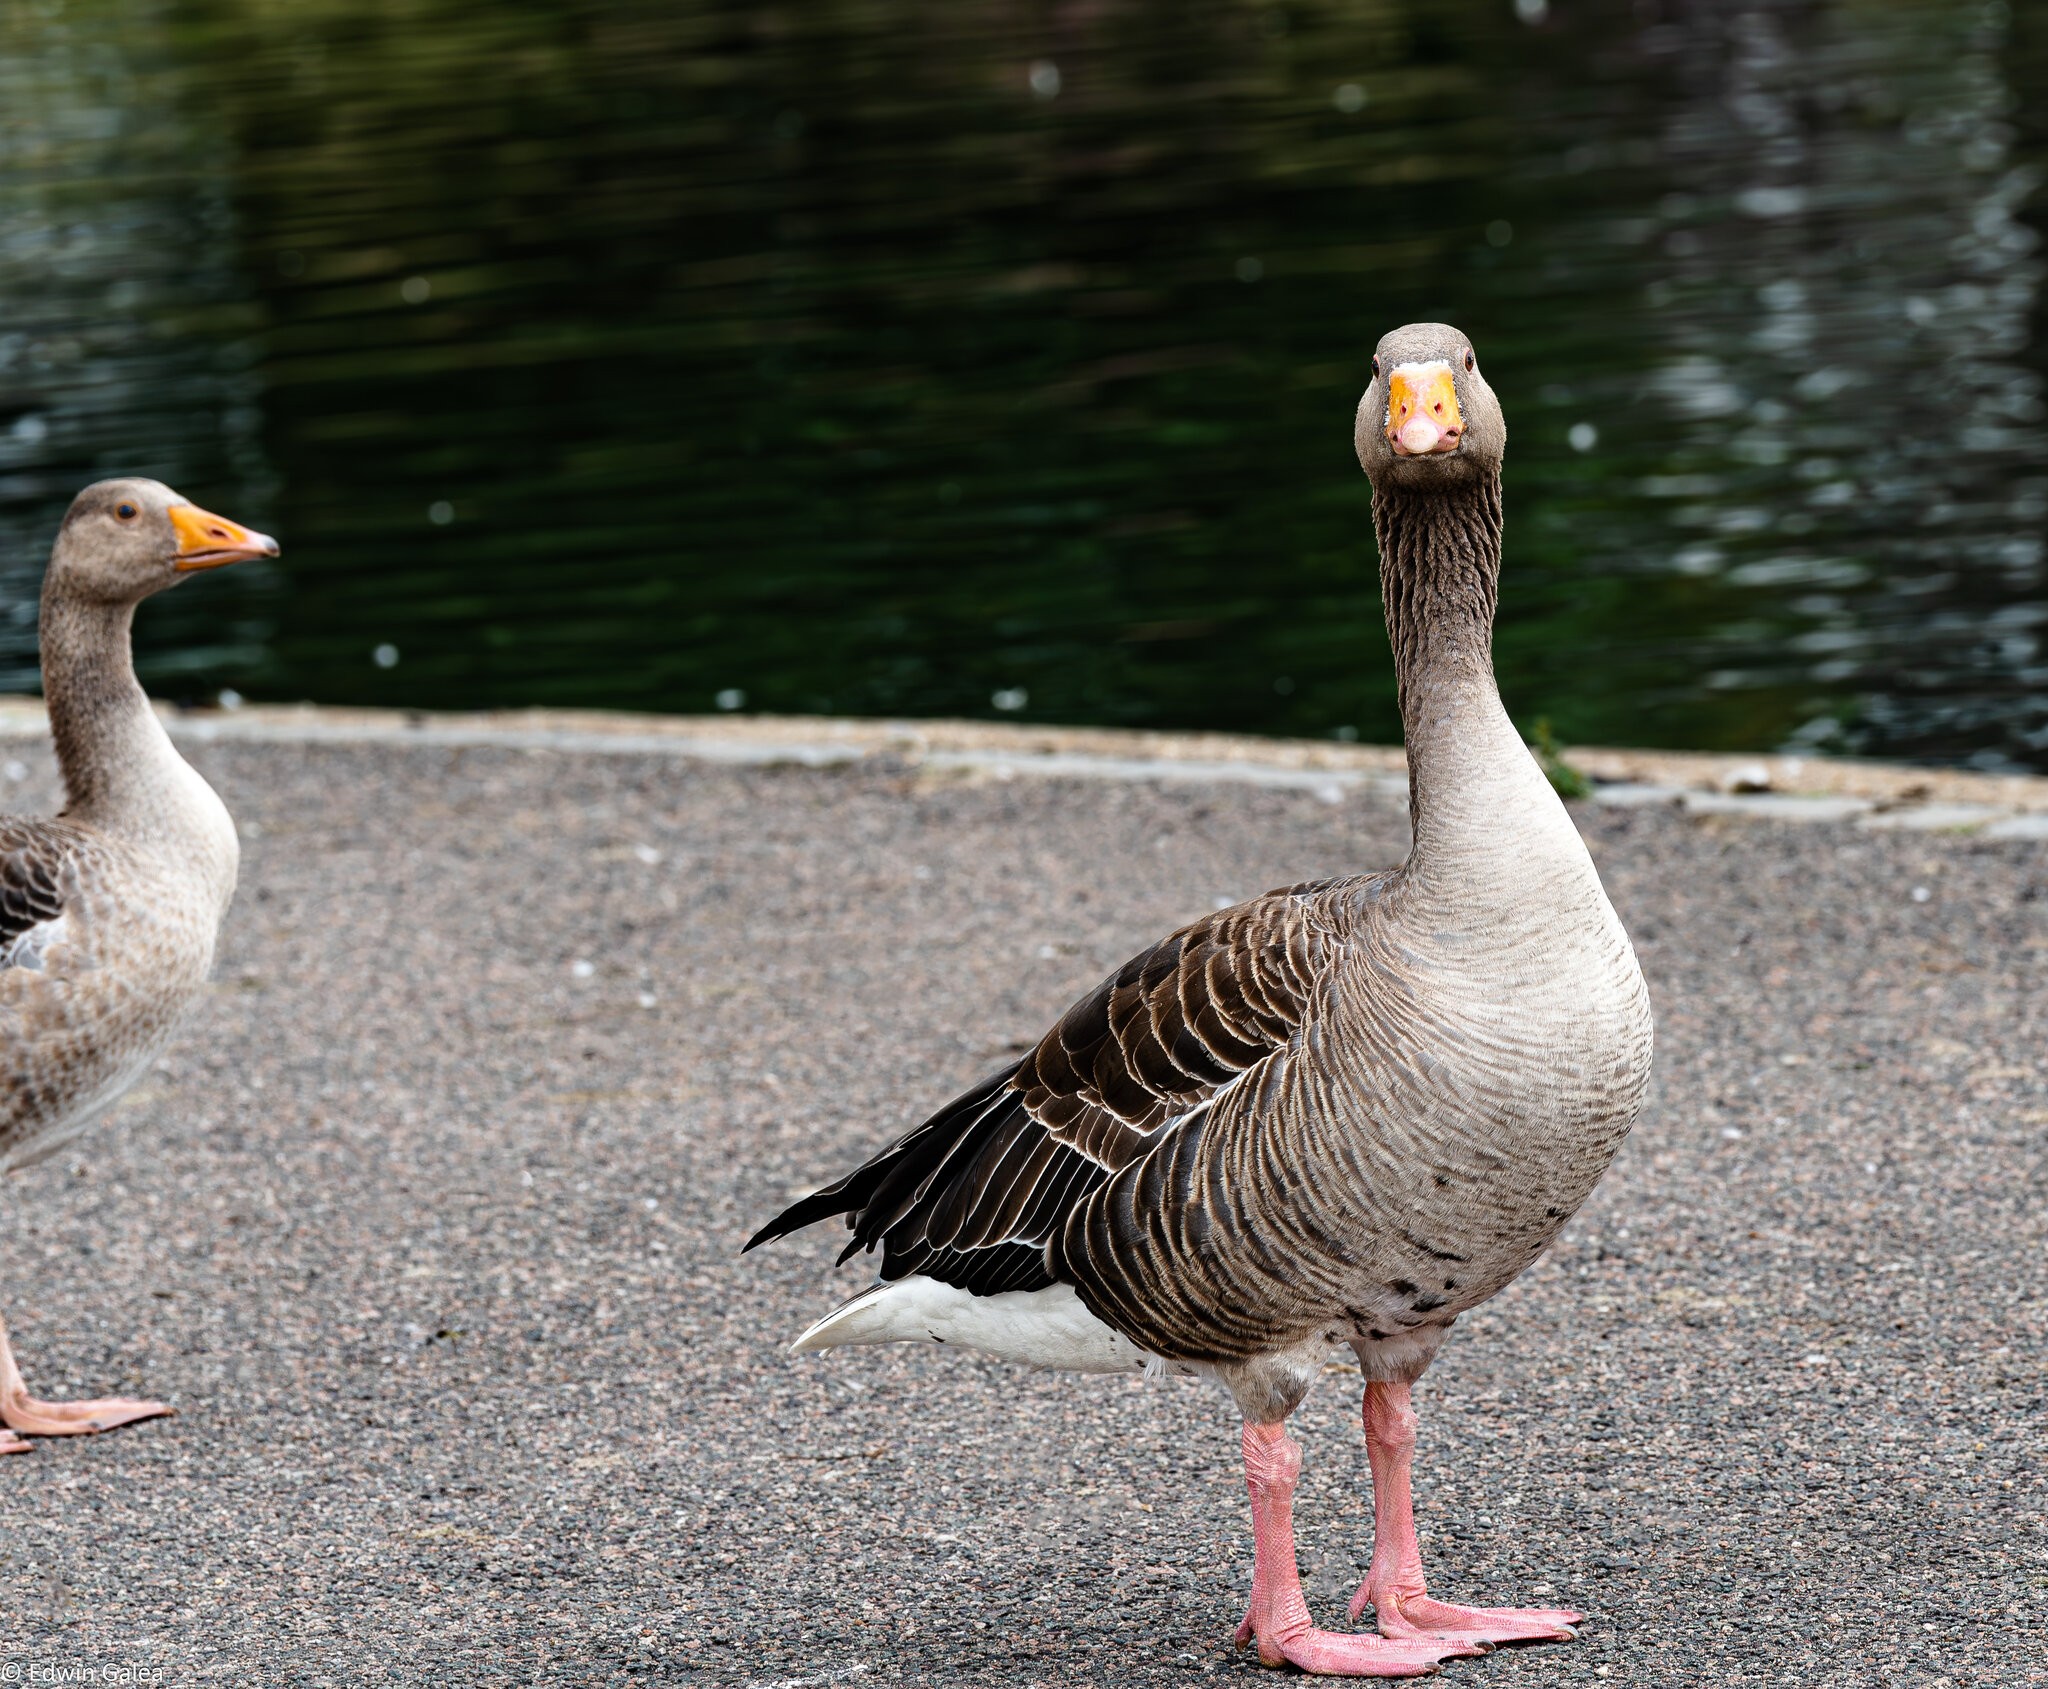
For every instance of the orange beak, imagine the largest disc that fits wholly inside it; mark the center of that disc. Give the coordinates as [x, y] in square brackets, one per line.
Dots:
[206, 541]
[1422, 411]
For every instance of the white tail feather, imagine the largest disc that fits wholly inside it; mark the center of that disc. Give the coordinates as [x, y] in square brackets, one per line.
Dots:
[1049, 1328]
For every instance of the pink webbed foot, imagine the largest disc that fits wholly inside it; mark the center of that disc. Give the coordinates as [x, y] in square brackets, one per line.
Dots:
[25, 1414]
[1329, 1653]
[1417, 1616]
[11, 1444]
[20, 1412]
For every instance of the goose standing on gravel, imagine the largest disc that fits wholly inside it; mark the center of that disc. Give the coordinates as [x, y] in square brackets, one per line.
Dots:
[110, 911]
[1339, 1114]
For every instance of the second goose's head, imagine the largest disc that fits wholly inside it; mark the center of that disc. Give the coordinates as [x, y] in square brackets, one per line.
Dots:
[1429, 419]
[123, 540]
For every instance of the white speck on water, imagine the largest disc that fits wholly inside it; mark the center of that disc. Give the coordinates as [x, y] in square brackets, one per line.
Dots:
[1921, 894]
[647, 854]
[415, 290]
[1348, 97]
[1046, 952]
[1731, 1133]
[1330, 792]
[1250, 269]
[583, 970]
[1532, 11]
[1010, 698]
[648, 999]
[1045, 79]
[30, 429]
[1499, 232]
[385, 656]
[230, 699]
[1583, 436]
[732, 698]
[440, 513]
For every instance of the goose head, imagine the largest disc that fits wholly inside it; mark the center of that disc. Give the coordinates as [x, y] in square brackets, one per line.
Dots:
[1429, 419]
[123, 540]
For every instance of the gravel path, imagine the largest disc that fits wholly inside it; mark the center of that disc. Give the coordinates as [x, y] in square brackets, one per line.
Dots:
[429, 1226]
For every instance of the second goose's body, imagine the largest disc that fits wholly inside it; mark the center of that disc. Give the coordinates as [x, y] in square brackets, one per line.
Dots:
[1343, 1113]
[109, 912]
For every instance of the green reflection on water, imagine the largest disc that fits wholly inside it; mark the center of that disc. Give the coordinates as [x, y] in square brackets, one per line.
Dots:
[936, 359]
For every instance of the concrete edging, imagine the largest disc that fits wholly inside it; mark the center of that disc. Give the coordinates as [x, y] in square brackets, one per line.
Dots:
[1880, 796]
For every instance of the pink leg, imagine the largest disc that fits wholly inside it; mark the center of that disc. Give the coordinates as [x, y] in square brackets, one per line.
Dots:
[1278, 1618]
[1393, 1585]
[19, 1411]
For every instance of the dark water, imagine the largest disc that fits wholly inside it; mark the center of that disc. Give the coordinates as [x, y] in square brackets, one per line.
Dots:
[954, 357]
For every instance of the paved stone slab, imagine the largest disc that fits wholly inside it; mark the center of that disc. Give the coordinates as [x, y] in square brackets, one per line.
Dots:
[429, 1228]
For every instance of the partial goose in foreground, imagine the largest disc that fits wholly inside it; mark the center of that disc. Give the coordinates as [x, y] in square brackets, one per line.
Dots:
[1339, 1114]
[110, 911]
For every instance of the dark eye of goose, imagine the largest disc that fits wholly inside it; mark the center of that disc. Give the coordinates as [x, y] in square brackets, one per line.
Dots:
[1471, 363]
[126, 512]
[1375, 369]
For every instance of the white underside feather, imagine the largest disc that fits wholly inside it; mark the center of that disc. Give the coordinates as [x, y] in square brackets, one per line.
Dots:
[1046, 1328]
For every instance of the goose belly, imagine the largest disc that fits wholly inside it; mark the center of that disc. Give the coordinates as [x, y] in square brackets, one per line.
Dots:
[1468, 1172]
[78, 1031]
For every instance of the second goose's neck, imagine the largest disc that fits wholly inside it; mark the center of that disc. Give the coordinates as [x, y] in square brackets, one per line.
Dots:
[1478, 799]
[121, 772]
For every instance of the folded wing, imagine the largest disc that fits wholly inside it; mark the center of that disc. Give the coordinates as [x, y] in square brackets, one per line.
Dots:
[972, 1196]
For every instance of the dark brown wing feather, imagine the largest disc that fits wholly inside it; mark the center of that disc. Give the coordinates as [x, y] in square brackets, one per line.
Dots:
[973, 1195]
[32, 858]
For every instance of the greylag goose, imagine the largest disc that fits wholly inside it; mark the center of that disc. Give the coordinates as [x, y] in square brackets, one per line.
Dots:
[109, 912]
[1339, 1114]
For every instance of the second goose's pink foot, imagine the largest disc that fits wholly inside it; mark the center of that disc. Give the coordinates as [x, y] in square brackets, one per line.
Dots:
[11, 1444]
[1278, 1618]
[1394, 1585]
[21, 1412]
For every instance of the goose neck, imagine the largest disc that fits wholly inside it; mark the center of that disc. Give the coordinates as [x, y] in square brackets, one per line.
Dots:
[121, 772]
[1472, 783]
[99, 717]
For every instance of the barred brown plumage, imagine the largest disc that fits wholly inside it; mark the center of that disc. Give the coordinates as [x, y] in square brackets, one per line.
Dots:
[1344, 1112]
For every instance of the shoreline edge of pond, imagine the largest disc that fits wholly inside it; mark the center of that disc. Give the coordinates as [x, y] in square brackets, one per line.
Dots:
[1763, 785]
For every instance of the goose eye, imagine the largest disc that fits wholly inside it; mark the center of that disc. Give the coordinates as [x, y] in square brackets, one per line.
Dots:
[1471, 363]
[1375, 369]
[126, 512]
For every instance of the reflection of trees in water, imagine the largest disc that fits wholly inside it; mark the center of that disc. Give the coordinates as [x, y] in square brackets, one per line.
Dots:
[121, 343]
[880, 355]
[1846, 294]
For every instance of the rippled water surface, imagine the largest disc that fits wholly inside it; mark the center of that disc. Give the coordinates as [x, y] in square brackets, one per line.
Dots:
[962, 358]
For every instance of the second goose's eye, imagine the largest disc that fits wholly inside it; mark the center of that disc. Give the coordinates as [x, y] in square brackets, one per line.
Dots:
[127, 512]
[1471, 363]
[1375, 369]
